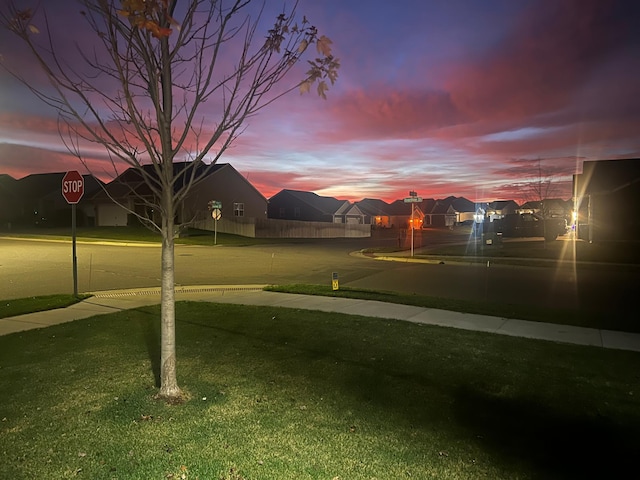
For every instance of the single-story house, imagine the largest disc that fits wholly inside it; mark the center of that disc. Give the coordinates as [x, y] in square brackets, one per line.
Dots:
[402, 215]
[311, 207]
[499, 208]
[451, 211]
[376, 212]
[39, 201]
[8, 200]
[220, 183]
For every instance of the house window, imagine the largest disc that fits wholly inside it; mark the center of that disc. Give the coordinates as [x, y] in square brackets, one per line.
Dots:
[296, 212]
[238, 209]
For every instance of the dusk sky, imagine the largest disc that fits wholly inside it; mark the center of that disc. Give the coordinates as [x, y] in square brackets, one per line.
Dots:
[445, 97]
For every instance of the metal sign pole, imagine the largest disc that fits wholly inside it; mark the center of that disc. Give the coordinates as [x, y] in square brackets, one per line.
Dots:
[412, 210]
[73, 242]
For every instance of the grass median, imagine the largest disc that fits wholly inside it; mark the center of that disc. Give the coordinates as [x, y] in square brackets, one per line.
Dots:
[284, 393]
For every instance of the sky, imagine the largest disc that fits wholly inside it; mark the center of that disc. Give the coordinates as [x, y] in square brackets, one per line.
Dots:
[480, 99]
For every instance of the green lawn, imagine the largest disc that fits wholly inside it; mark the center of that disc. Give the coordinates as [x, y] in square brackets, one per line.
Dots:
[143, 234]
[20, 306]
[291, 394]
[562, 249]
[578, 318]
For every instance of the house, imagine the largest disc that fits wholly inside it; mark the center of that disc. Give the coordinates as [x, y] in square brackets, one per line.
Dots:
[8, 200]
[499, 208]
[311, 207]
[376, 212]
[220, 182]
[404, 215]
[606, 196]
[39, 201]
[451, 211]
[426, 206]
[550, 207]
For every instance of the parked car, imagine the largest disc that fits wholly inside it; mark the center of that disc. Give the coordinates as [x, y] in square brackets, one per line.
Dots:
[530, 225]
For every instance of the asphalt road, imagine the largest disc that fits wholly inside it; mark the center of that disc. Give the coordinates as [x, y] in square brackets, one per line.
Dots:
[29, 267]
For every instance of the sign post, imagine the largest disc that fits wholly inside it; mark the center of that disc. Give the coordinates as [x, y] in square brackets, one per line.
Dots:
[413, 198]
[216, 212]
[72, 191]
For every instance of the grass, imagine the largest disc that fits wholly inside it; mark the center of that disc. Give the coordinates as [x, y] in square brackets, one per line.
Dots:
[20, 306]
[289, 394]
[563, 250]
[141, 234]
[578, 318]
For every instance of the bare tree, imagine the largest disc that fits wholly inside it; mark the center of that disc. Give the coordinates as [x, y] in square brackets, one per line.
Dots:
[139, 92]
[541, 189]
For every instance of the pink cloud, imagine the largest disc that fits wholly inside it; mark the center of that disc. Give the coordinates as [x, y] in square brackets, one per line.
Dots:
[551, 51]
[391, 113]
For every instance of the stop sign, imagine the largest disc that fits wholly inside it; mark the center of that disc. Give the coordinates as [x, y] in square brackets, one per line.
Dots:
[72, 187]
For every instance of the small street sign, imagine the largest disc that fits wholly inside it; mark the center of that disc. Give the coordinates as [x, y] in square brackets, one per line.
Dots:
[216, 214]
[334, 281]
[413, 200]
[213, 204]
[72, 187]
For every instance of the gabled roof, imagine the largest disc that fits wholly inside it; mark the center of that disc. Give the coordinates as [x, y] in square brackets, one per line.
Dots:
[348, 208]
[453, 204]
[500, 204]
[327, 205]
[39, 185]
[131, 181]
[182, 172]
[8, 185]
[427, 204]
[399, 207]
[373, 207]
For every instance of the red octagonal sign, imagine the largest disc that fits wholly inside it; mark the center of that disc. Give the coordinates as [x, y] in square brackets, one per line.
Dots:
[72, 187]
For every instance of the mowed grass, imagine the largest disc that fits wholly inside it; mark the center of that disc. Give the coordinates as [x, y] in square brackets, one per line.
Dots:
[534, 313]
[292, 394]
[20, 306]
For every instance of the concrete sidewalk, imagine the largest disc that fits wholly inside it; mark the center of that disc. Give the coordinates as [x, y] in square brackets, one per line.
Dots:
[111, 301]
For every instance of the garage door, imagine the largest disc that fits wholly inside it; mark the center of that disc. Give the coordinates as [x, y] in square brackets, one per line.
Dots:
[110, 215]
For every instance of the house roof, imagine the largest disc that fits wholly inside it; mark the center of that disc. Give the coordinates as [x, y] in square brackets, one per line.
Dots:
[328, 205]
[8, 185]
[500, 204]
[399, 207]
[39, 185]
[131, 181]
[373, 206]
[453, 204]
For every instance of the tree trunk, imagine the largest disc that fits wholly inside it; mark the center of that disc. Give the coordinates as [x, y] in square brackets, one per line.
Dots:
[169, 389]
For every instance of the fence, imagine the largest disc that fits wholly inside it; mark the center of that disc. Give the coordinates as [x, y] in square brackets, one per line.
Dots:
[276, 228]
